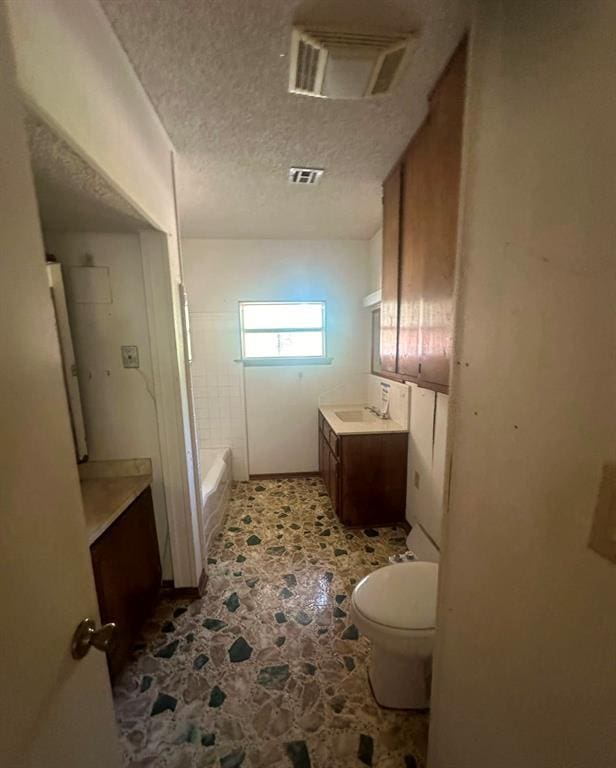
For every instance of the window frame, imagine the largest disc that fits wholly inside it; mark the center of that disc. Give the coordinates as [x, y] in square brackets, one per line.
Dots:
[284, 360]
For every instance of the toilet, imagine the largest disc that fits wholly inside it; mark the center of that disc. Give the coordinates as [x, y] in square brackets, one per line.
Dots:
[395, 608]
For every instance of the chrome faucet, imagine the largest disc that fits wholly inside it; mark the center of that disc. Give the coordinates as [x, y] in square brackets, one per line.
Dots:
[379, 414]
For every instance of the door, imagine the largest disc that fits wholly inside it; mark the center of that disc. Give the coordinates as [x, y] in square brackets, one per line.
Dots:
[389, 280]
[322, 455]
[445, 155]
[55, 712]
[69, 365]
[190, 394]
[416, 207]
[333, 480]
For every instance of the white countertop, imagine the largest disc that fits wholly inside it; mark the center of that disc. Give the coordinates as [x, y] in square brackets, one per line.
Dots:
[105, 498]
[107, 489]
[370, 425]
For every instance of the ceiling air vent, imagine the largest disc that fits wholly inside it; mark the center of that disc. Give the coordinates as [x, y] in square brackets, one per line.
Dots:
[345, 65]
[305, 175]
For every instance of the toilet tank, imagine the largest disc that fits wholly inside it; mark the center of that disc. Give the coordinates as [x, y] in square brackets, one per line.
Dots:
[420, 544]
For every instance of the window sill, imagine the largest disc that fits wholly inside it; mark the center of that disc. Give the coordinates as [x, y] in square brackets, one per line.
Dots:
[273, 361]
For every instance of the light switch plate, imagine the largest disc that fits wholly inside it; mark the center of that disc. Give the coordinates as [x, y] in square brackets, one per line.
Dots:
[603, 533]
[130, 356]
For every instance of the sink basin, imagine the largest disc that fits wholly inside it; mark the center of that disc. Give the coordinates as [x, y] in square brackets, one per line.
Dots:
[355, 416]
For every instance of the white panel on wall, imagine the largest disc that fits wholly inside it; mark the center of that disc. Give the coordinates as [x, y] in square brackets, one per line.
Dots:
[399, 398]
[427, 460]
[419, 479]
[218, 386]
[439, 457]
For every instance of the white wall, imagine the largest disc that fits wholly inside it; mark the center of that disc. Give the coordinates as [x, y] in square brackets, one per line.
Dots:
[525, 653]
[105, 115]
[118, 403]
[282, 402]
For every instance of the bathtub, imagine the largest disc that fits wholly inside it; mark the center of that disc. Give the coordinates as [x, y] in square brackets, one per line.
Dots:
[216, 482]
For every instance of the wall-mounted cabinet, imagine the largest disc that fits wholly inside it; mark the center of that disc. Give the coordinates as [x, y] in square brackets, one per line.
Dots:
[390, 271]
[420, 223]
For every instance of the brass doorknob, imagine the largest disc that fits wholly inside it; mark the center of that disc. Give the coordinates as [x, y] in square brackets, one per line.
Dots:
[86, 635]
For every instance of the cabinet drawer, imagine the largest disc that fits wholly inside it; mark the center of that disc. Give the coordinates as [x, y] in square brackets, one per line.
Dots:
[334, 442]
[331, 437]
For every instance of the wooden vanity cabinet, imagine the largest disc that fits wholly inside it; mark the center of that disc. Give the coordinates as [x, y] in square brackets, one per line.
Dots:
[127, 574]
[328, 461]
[365, 475]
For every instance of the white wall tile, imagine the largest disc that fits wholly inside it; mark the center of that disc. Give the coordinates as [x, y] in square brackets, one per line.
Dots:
[219, 386]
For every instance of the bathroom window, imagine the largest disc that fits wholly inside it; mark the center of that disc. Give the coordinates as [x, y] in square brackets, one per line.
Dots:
[282, 333]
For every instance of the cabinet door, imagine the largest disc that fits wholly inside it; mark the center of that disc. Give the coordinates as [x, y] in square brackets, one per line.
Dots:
[127, 574]
[323, 459]
[373, 479]
[391, 263]
[334, 482]
[416, 202]
[445, 155]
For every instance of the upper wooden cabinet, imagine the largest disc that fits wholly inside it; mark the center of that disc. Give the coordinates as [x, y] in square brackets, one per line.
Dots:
[415, 220]
[445, 157]
[391, 265]
[429, 174]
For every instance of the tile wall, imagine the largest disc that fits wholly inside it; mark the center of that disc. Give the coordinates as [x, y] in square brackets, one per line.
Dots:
[218, 386]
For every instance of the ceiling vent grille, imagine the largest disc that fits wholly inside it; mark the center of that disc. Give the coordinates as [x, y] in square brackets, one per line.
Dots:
[305, 175]
[345, 65]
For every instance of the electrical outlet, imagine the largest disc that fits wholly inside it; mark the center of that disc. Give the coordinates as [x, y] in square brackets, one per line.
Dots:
[130, 356]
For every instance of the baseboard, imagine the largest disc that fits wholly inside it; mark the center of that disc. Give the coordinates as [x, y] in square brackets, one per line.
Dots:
[168, 589]
[283, 475]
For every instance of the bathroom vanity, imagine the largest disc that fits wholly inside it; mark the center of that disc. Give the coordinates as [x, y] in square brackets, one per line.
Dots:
[119, 514]
[362, 460]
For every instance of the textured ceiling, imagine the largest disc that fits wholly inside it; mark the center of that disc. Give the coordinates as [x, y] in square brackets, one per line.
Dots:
[217, 73]
[71, 195]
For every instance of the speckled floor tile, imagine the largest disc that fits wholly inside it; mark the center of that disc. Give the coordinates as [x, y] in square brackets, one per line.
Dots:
[267, 668]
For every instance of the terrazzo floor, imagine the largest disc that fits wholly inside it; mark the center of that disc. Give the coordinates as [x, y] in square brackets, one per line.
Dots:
[267, 668]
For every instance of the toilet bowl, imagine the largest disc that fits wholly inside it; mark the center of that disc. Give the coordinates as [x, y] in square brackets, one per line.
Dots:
[395, 608]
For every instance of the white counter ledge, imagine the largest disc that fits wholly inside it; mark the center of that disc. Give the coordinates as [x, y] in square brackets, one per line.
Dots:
[108, 488]
[372, 426]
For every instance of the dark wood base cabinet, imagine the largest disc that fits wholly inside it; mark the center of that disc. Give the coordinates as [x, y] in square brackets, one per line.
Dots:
[127, 574]
[365, 475]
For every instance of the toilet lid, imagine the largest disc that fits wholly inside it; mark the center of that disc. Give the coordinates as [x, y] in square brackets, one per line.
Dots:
[401, 596]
